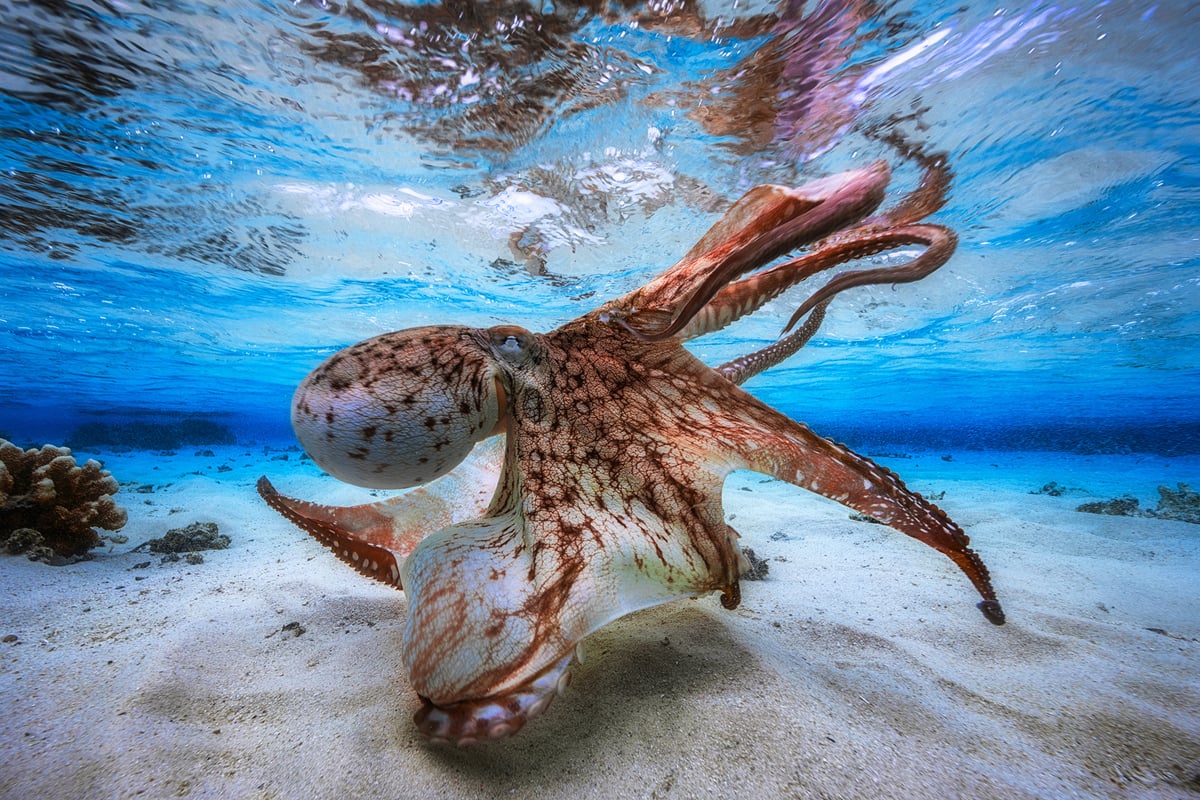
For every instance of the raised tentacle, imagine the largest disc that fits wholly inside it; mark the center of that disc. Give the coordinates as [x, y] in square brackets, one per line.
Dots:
[743, 368]
[939, 246]
[765, 224]
[750, 294]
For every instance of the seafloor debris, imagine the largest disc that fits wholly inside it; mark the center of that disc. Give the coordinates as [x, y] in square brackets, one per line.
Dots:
[50, 505]
[1181, 504]
[1124, 506]
[758, 567]
[293, 629]
[1056, 489]
[186, 542]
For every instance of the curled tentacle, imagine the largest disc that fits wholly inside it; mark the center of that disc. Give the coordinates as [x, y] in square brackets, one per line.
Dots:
[743, 368]
[749, 294]
[744, 296]
[939, 246]
[855, 197]
[766, 223]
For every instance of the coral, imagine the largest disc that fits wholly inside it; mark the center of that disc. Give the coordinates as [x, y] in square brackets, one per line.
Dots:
[1183, 505]
[50, 506]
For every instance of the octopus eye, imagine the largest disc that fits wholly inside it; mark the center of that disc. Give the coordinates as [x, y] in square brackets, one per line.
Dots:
[511, 343]
[401, 409]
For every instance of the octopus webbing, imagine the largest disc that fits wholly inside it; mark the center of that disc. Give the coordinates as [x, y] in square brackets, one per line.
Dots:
[575, 476]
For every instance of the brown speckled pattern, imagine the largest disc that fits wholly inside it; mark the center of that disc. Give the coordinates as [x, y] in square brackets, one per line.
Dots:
[616, 445]
[399, 409]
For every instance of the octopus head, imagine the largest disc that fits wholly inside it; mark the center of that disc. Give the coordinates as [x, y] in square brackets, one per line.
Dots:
[406, 407]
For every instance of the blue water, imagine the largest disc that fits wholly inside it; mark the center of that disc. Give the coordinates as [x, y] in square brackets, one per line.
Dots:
[199, 203]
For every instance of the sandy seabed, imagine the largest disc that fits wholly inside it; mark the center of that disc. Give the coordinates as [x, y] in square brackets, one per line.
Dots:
[858, 669]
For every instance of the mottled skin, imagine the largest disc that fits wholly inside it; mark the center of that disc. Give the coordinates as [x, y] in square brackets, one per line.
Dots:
[616, 445]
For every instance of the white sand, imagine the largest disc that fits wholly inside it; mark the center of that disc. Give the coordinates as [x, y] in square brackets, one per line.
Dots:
[859, 669]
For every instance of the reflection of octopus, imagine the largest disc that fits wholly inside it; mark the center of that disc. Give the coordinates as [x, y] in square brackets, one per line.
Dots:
[479, 81]
[489, 78]
[616, 442]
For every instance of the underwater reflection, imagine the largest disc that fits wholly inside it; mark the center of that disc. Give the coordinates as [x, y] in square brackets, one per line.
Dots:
[492, 78]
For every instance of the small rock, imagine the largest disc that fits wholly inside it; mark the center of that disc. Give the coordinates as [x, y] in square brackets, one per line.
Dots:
[758, 568]
[22, 540]
[1182, 505]
[197, 536]
[293, 628]
[1124, 506]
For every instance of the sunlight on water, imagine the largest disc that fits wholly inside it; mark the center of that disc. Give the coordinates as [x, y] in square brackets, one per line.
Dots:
[202, 201]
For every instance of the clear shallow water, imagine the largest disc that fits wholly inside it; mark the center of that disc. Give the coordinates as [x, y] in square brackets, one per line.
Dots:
[200, 204]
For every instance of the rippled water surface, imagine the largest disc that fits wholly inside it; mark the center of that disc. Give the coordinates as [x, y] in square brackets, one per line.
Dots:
[200, 202]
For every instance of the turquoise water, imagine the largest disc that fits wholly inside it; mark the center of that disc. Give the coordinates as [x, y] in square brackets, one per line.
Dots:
[200, 204]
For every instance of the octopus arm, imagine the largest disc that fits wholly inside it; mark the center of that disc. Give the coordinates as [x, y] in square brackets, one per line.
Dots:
[776, 445]
[939, 245]
[374, 538]
[766, 223]
[487, 658]
[332, 527]
[751, 293]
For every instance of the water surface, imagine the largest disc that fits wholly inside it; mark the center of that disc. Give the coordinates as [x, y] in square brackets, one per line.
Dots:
[202, 202]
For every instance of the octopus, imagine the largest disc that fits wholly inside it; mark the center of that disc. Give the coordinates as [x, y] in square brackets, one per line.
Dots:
[567, 479]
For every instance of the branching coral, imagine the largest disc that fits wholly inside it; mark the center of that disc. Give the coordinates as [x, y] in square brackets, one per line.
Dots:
[50, 505]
